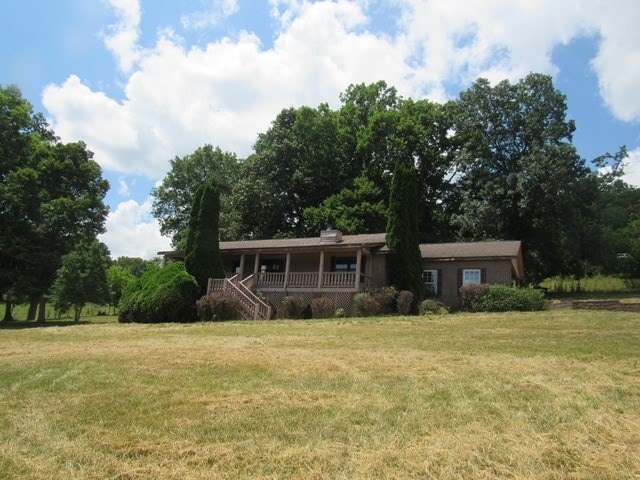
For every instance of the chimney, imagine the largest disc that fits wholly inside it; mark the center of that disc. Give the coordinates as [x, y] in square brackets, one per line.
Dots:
[330, 235]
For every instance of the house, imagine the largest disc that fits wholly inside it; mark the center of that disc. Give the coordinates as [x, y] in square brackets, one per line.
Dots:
[338, 266]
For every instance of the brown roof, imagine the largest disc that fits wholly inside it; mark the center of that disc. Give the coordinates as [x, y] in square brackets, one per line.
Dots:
[497, 249]
[366, 239]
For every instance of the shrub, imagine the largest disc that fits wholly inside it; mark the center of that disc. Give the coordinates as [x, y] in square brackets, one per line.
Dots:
[166, 294]
[405, 302]
[322, 307]
[501, 298]
[433, 307]
[386, 298]
[365, 305]
[292, 307]
[340, 313]
[472, 295]
[219, 306]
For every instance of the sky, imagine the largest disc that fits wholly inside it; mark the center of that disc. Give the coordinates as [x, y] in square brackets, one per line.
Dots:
[144, 81]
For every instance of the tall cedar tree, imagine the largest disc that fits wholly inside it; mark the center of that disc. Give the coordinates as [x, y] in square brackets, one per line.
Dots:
[403, 236]
[203, 259]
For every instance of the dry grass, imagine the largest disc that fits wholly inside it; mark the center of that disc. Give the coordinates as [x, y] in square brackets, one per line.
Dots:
[548, 395]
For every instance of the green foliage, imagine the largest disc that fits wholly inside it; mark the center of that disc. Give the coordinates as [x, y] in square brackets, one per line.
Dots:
[471, 296]
[82, 278]
[404, 302]
[50, 198]
[501, 298]
[292, 306]
[431, 306]
[117, 280]
[571, 284]
[322, 307]
[340, 313]
[166, 294]
[202, 254]
[358, 209]
[173, 198]
[137, 266]
[402, 232]
[519, 176]
[219, 306]
[386, 297]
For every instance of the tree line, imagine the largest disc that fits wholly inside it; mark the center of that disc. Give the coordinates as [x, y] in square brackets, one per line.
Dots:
[497, 163]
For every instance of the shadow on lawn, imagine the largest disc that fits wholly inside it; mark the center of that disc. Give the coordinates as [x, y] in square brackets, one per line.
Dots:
[22, 324]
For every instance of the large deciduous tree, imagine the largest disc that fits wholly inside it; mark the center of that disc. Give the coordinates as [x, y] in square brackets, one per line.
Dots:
[520, 177]
[51, 198]
[202, 255]
[297, 163]
[82, 278]
[173, 198]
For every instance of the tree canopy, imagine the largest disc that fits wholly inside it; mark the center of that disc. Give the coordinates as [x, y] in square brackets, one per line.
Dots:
[51, 198]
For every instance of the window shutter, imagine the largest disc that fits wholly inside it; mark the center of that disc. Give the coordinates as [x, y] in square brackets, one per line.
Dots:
[439, 287]
[483, 275]
[459, 280]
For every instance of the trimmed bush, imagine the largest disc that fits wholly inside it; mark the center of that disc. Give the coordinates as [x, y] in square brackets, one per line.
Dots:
[501, 298]
[322, 307]
[471, 296]
[432, 306]
[219, 306]
[166, 294]
[365, 305]
[405, 302]
[292, 307]
[386, 298]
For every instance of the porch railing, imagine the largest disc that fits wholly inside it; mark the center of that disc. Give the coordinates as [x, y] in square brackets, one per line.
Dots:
[309, 280]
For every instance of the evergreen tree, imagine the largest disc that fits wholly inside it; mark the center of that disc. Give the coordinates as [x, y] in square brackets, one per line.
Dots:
[203, 259]
[402, 231]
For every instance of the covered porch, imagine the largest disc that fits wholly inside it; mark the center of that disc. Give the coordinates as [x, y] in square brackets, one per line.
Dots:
[319, 271]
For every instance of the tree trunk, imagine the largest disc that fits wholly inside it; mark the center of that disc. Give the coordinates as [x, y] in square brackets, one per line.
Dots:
[33, 307]
[41, 309]
[8, 317]
[76, 314]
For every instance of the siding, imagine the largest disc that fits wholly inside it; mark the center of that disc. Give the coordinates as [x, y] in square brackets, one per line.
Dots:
[497, 271]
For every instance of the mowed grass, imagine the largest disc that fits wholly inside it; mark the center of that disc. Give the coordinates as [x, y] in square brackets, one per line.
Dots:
[546, 395]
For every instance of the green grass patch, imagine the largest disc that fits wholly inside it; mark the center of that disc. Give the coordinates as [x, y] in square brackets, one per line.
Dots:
[553, 394]
[596, 284]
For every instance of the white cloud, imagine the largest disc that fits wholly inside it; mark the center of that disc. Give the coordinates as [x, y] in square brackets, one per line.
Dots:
[178, 97]
[132, 232]
[632, 168]
[122, 39]
[215, 11]
[617, 63]
[123, 189]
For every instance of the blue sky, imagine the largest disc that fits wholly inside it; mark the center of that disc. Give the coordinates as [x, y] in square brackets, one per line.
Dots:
[143, 81]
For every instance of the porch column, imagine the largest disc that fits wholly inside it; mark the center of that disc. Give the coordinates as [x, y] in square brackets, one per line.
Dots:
[286, 269]
[358, 266]
[242, 267]
[320, 268]
[256, 265]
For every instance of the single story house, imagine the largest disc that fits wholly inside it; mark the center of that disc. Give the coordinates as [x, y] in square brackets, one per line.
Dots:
[262, 272]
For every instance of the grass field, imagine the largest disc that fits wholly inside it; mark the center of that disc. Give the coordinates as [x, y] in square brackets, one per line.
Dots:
[546, 395]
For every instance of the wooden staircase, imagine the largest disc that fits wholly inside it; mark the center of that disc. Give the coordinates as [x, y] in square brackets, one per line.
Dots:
[253, 308]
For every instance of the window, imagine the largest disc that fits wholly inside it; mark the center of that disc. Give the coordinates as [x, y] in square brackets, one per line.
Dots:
[430, 278]
[347, 264]
[272, 266]
[471, 276]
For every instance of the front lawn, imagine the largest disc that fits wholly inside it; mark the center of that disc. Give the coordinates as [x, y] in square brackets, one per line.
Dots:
[548, 395]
